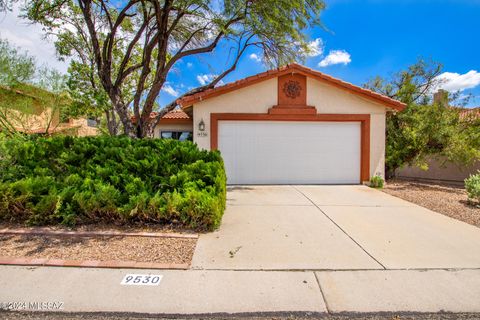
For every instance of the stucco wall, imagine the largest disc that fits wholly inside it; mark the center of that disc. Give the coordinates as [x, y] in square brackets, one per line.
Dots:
[84, 130]
[172, 127]
[258, 98]
[439, 171]
[329, 99]
[33, 122]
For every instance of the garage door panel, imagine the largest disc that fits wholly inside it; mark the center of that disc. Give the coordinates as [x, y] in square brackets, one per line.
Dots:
[284, 152]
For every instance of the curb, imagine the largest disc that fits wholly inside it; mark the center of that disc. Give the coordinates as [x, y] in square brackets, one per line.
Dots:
[89, 263]
[47, 232]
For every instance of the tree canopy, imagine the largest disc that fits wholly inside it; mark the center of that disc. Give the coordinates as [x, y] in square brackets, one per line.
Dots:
[426, 128]
[133, 45]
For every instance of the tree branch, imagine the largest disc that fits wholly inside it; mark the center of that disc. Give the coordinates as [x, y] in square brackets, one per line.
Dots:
[172, 105]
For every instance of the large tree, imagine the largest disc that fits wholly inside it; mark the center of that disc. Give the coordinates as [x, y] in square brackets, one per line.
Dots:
[426, 128]
[139, 41]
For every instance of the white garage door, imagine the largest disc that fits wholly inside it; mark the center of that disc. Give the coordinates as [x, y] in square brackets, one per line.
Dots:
[285, 152]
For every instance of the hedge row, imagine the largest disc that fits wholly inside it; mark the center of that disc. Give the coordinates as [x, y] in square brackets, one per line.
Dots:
[69, 181]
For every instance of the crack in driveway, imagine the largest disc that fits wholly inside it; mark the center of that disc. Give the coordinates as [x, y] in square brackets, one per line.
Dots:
[338, 226]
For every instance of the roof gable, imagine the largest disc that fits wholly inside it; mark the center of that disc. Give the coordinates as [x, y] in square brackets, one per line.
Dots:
[291, 69]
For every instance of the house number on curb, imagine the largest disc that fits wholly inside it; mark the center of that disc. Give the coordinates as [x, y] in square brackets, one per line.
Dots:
[141, 280]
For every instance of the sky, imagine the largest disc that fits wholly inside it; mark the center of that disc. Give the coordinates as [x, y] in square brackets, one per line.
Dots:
[360, 40]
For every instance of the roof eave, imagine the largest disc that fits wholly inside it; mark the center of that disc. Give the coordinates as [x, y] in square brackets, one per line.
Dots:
[188, 101]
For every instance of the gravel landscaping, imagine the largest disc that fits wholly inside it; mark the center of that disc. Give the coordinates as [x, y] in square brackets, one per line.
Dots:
[449, 200]
[101, 248]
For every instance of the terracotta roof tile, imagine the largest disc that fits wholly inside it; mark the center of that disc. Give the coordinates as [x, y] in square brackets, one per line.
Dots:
[191, 99]
[176, 114]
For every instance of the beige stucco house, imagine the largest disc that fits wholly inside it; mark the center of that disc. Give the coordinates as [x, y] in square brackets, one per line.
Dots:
[292, 125]
[27, 109]
[48, 121]
[175, 124]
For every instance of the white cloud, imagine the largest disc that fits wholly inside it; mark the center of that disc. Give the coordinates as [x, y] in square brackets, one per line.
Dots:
[454, 82]
[204, 79]
[189, 64]
[336, 57]
[170, 90]
[29, 37]
[315, 48]
[255, 57]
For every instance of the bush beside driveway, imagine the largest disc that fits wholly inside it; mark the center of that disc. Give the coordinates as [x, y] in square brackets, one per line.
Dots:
[71, 181]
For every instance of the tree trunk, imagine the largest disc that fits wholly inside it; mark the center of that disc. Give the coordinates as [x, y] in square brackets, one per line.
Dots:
[111, 122]
[128, 128]
[122, 110]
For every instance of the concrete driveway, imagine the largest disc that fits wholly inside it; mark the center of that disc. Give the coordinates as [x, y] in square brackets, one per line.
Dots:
[333, 228]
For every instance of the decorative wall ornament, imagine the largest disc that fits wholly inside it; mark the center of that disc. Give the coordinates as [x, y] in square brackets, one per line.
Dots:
[292, 89]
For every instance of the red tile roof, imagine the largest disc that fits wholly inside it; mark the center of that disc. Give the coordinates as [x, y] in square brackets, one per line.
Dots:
[176, 114]
[296, 68]
[172, 115]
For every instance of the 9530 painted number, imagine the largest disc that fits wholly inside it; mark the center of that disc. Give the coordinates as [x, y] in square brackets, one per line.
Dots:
[141, 280]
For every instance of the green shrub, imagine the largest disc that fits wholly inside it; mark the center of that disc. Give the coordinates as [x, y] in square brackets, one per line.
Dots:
[377, 182]
[68, 180]
[472, 185]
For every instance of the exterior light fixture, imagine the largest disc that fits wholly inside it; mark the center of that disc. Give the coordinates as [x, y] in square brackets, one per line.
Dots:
[201, 125]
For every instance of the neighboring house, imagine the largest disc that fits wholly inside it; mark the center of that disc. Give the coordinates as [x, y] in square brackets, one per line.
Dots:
[291, 125]
[80, 127]
[175, 125]
[23, 110]
[441, 170]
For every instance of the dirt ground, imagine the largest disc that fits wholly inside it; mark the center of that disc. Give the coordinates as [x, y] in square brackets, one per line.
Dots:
[449, 200]
[138, 227]
[101, 248]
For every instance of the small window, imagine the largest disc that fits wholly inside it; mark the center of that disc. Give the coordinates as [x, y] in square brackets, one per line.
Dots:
[166, 134]
[177, 135]
[185, 135]
[92, 123]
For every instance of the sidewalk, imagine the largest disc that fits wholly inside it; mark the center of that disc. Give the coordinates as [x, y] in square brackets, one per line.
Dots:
[245, 292]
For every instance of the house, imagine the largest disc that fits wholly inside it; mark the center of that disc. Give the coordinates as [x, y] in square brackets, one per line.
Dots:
[175, 124]
[292, 125]
[28, 109]
[79, 127]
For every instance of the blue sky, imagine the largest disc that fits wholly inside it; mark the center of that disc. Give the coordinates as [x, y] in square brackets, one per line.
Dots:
[381, 37]
[362, 39]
